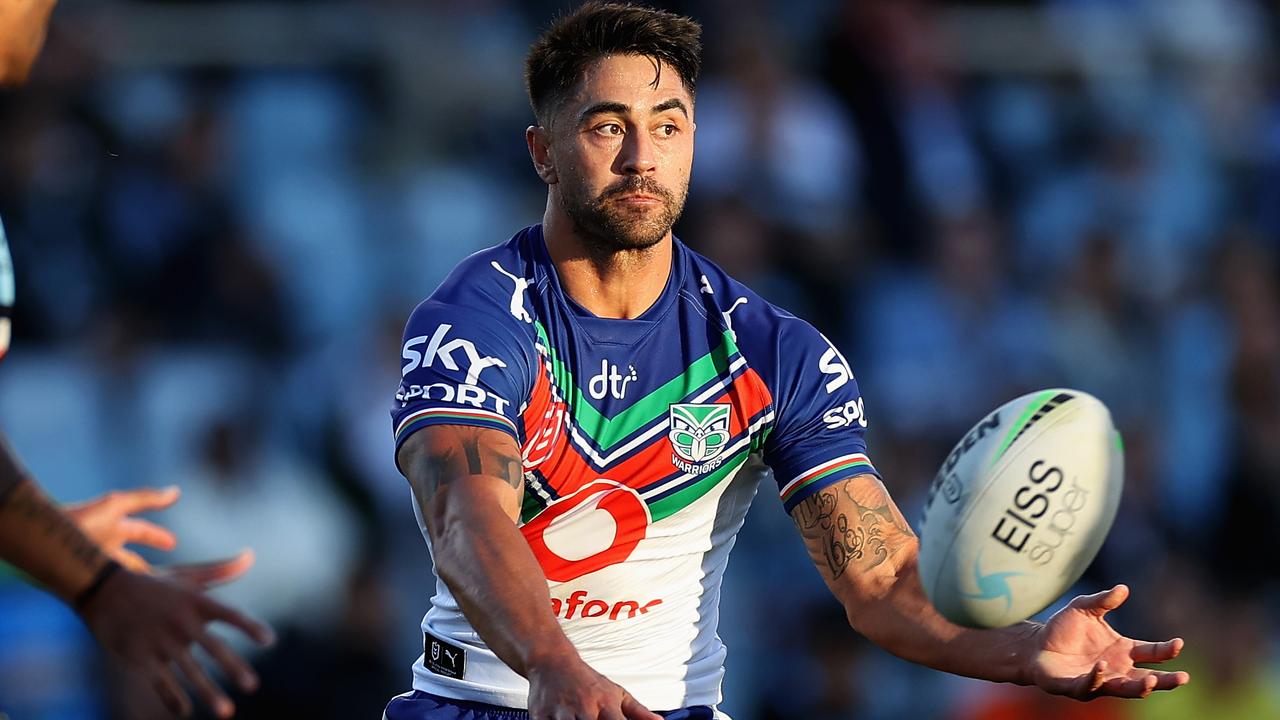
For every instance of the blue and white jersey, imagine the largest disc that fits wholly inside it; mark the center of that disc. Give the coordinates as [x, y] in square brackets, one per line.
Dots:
[634, 437]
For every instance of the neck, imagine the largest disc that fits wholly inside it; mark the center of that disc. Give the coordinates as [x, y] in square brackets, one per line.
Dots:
[609, 284]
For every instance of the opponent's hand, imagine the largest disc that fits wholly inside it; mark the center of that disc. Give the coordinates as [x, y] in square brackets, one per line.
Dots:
[573, 691]
[150, 622]
[1081, 656]
[108, 521]
[210, 574]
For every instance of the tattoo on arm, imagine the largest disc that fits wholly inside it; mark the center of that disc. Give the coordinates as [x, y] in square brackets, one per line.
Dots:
[43, 514]
[446, 455]
[21, 500]
[848, 524]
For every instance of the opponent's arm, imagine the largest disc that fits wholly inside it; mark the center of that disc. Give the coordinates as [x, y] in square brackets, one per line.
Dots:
[23, 24]
[149, 622]
[867, 554]
[41, 540]
[468, 482]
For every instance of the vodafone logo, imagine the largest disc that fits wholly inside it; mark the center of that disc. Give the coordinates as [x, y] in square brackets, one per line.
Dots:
[597, 526]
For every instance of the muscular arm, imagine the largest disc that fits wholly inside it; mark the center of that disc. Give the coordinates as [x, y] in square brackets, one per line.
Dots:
[867, 554]
[23, 24]
[37, 537]
[468, 483]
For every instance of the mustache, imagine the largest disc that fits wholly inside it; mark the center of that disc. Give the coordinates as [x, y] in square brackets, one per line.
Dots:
[633, 184]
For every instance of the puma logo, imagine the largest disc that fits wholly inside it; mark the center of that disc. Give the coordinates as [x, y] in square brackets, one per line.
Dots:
[517, 297]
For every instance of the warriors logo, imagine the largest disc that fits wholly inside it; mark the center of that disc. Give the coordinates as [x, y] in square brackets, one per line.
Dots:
[698, 434]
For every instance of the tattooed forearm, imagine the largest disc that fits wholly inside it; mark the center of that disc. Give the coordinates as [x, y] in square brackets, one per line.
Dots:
[36, 511]
[854, 524]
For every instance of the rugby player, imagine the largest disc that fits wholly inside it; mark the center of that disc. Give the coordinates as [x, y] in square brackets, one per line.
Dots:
[149, 621]
[580, 411]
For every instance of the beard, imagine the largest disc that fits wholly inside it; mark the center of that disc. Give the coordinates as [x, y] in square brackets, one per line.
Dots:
[608, 227]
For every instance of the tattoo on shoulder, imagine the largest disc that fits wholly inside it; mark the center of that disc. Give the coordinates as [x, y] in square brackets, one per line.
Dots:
[851, 530]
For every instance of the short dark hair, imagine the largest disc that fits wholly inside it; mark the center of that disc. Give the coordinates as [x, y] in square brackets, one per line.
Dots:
[560, 56]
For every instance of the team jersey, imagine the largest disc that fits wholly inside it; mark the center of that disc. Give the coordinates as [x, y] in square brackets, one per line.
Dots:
[638, 439]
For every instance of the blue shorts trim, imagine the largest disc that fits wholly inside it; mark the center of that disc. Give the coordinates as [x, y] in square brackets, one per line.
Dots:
[419, 705]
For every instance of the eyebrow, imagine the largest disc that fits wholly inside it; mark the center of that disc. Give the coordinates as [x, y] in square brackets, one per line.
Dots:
[601, 108]
[672, 104]
[618, 108]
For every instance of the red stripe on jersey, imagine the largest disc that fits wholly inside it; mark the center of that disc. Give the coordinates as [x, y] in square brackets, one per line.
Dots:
[543, 421]
[566, 470]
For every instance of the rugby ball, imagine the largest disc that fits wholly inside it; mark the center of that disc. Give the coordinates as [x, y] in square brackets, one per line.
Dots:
[1020, 508]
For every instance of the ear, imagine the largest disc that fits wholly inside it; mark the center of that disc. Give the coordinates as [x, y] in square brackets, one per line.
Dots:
[538, 139]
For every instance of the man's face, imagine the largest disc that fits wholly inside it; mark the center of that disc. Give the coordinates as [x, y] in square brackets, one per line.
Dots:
[623, 147]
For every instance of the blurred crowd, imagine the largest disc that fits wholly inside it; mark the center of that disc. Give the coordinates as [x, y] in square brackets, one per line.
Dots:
[218, 238]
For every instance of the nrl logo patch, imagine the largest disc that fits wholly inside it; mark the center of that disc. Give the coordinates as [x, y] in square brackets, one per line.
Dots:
[698, 434]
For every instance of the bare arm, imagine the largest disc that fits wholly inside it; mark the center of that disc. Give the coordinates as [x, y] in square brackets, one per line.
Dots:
[867, 553]
[63, 546]
[149, 622]
[468, 483]
[23, 24]
[37, 537]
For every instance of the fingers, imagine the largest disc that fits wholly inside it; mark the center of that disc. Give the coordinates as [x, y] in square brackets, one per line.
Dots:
[1156, 652]
[1124, 687]
[1141, 683]
[259, 632]
[1101, 603]
[167, 688]
[142, 532]
[139, 500]
[633, 710]
[206, 689]
[131, 560]
[1171, 680]
[212, 574]
[1129, 687]
[1095, 678]
[232, 664]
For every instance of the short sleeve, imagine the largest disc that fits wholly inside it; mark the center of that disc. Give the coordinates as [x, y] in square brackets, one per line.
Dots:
[818, 437]
[459, 366]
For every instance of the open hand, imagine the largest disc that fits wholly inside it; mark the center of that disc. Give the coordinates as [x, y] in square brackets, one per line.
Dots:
[151, 622]
[1081, 656]
[108, 521]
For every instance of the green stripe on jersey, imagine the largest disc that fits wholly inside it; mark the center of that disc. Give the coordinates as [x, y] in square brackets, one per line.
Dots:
[609, 432]
[532, 505]
[676, 502]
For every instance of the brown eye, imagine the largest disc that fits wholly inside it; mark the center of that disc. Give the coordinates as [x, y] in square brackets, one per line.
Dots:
[611, 129]
[668, 130]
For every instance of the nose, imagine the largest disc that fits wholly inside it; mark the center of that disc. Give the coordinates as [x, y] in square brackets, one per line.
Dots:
[636, 156]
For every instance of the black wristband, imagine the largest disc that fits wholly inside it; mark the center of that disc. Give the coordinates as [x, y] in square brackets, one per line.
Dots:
[99, 580]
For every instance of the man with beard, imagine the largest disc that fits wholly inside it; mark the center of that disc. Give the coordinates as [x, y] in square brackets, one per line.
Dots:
[150, 620]
[578, 417]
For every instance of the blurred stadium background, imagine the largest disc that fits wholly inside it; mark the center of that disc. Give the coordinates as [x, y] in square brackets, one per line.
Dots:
[222, 213]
